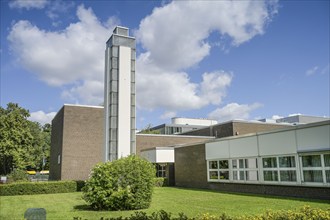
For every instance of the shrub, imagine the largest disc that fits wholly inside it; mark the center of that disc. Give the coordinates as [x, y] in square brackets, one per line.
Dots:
[31, 188]
[125, 184]
[160, 181]
[17, 175]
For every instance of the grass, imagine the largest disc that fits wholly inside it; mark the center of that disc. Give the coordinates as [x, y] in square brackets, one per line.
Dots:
[192, 202]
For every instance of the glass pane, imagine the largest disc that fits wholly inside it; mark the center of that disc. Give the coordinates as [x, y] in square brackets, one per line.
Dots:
[311, 161]
[241, 175]
[251, 163]
[287, 161]
[288, 175]
[214, 175]
[241, 163]
[235, 177]
[234, 164]
[327, 160]
[327, 176]
[313, 176]
[213, 165]
[223, 164]
[270, 176]
[252, 175]
[224, 175]
[269, 162]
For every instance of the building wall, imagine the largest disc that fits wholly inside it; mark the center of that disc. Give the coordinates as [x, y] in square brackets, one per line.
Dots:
[192, 169]
[56, 145]
[190, 166]
[232, 128]
[81, 131]
[146, 141]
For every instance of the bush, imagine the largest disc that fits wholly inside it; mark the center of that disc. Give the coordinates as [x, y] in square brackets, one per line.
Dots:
[17, 175]
[31, 188]
[305, 213]
[125, 184]
[160, 182]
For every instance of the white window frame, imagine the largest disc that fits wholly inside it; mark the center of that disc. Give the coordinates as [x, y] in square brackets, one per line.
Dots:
[322, 168]
[278, 170]
[218, 170]
[244, 169]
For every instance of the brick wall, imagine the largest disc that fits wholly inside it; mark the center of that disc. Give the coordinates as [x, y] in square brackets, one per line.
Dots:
[190, 166]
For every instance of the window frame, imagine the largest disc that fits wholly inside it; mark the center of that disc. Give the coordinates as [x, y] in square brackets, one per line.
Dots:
[323, 168]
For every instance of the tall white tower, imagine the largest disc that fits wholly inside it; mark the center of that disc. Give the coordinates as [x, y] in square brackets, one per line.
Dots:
[119, 95]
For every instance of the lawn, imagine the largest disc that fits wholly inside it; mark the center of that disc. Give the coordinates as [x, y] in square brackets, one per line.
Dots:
[189, 201]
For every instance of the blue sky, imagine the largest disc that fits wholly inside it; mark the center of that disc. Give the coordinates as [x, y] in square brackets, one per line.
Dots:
[204, 59]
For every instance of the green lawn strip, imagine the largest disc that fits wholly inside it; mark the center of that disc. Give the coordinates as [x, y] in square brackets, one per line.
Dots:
[174, 200]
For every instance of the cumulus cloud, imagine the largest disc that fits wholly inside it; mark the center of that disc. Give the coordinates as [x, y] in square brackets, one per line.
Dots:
[234, 111]
[73, 57]
[183, 27]
[28, 4]
[176, 37]
[42, 117]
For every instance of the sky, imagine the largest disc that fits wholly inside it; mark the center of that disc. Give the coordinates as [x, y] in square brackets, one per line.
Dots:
[221, 60]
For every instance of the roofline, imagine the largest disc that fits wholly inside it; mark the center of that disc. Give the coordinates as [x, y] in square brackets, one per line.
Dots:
[179, 136]
[290, 128]
[84, 106]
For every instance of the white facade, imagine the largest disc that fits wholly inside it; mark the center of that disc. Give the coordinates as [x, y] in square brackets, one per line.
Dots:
[119, 95]
[159, 155]
[295, 156]
[194, 121]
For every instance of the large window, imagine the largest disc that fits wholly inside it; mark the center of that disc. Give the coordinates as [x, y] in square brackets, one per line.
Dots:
[161, 170]
[316, 168]
[218, 170]
[245, 169]
[281, 169]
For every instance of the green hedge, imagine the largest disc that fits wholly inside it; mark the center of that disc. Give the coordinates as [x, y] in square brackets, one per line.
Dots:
[160, 182]
[31, 188]
[305, 213]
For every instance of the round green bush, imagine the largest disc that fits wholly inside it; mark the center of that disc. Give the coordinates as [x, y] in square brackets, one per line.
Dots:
[124, 184]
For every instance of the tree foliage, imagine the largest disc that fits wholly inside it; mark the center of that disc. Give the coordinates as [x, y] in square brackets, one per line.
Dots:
[147, 130]
[23, 143]
[125, 184]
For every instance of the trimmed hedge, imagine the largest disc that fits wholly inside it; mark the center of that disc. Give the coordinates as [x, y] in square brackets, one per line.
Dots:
[305, 213]
[160, 182]
[32, 188]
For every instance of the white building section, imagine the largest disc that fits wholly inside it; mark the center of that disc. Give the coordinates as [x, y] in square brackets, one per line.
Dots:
[298, 155]
[124, 104]
[194, 121]
[159, 155]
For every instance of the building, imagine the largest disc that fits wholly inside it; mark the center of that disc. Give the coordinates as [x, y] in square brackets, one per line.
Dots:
[301, 119]
[119, 95]
[292, 161]
[77, 138]
[235, 127]
[181, 125]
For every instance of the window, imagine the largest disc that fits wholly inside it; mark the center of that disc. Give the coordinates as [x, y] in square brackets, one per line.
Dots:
[316, 168]
[281, 169]
[245, 169]
[161, 170]
[218, 170]
[59, 159]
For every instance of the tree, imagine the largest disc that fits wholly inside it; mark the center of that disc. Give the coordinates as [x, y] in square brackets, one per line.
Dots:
[23, 144]
[15, 138]
[147, 130]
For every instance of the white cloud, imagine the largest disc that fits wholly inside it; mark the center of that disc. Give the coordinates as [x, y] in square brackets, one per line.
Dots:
[234, 111]
[174, 91]
[73, 57]
[312, 71]
[42, 117]
[28, 4]
[167, 115]
[175, 38]
[183, 27]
